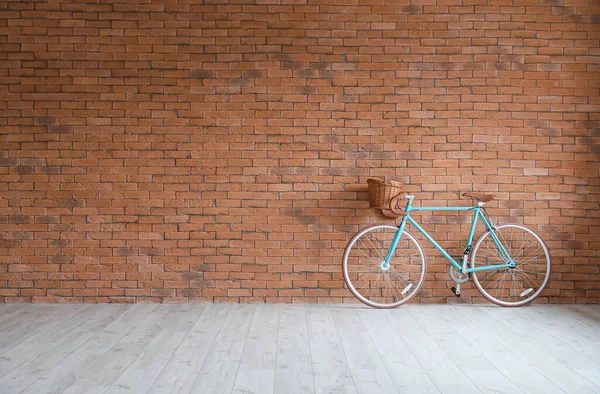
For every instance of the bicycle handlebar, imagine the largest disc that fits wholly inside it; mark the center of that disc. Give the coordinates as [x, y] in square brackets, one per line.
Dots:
[394, 203]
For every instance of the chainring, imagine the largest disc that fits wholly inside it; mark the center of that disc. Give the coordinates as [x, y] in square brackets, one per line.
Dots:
[457, 276]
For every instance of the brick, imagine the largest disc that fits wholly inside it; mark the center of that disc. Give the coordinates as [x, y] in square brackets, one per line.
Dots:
[19, 219]
[47, 219]
[33, 162]
[4, 162]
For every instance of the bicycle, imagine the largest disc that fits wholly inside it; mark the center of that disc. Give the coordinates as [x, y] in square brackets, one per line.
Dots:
[384, 265]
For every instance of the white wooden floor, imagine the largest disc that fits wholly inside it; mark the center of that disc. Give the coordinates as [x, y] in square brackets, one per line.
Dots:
[232, 348]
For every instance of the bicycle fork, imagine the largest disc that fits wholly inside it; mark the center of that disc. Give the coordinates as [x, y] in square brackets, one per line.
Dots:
[385, 264]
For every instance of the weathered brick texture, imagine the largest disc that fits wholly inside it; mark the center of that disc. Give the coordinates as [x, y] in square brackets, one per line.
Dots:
[182, 150]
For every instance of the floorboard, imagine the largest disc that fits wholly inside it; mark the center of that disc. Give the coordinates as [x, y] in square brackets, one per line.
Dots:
[280, 349]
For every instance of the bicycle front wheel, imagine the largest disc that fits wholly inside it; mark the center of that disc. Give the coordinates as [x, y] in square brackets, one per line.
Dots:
[370, 279]
[511, 286]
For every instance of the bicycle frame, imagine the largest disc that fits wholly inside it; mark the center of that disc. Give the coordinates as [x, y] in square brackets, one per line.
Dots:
[477, 215]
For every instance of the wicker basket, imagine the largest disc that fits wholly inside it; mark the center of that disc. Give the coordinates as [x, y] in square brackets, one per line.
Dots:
[381, 192]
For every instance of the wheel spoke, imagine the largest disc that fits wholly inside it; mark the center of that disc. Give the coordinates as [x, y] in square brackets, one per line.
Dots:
[393, 285]
[492, 272]
[511, 286]
[369, 281]
[529, 278]
[367, 250]
[529, 259]
[376, 248]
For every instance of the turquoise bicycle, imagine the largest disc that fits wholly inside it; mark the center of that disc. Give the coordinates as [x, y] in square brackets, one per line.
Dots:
[384, 266]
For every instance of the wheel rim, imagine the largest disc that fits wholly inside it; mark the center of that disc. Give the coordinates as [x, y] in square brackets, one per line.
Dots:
[374, 283]
[512, 286]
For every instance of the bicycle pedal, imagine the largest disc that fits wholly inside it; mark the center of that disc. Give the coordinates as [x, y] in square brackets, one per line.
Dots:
[455, 291]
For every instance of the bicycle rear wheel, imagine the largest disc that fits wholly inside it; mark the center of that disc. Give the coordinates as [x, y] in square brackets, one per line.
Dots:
[511, 286]
[374, 283]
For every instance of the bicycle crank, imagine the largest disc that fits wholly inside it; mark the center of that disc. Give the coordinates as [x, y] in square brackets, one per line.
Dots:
[456, 290]
[458, 276]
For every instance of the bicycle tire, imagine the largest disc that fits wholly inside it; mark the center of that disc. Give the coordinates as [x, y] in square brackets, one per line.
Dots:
[412, 265]
[523, 285]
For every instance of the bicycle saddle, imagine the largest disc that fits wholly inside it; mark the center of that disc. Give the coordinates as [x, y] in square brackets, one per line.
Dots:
[480, 196]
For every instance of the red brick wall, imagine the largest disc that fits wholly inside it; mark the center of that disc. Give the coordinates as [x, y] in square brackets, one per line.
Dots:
[198, 150]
